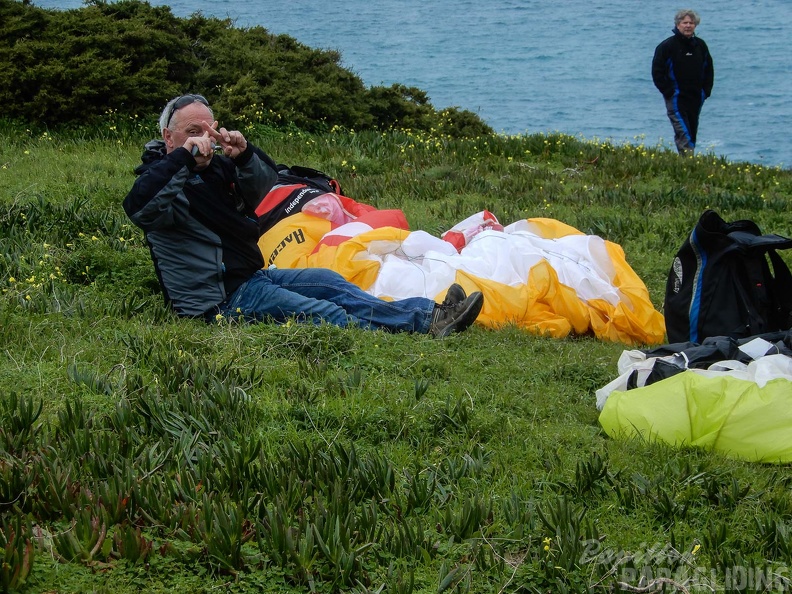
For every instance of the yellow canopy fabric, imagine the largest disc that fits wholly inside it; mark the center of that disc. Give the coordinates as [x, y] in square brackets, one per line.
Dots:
[539, 274]
[724, 414]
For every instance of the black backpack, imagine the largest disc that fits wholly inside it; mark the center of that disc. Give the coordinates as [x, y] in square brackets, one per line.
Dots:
[297, 174]
[721, 283]
[307, 184]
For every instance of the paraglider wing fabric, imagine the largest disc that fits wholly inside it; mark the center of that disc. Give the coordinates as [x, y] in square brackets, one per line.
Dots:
[758, 358]
[539, 274]
[710, 410]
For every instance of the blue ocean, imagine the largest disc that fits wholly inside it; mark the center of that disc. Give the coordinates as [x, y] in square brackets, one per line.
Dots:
[580, 67]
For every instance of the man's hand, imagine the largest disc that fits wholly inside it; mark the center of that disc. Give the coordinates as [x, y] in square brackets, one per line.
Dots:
[232, 142]
[201, 148]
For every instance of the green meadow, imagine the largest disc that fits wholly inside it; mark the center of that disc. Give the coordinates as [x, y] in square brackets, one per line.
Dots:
[140, 452]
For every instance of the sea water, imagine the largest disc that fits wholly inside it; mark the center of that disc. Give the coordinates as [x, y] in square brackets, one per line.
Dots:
[581, 67]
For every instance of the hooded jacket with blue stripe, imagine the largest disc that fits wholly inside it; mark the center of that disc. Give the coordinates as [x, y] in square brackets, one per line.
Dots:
[683, 65]
[200, 226]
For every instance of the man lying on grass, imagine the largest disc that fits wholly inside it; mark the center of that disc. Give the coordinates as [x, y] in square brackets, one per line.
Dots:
[195, 199]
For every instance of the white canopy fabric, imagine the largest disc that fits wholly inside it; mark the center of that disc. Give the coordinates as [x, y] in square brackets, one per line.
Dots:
[540, 274]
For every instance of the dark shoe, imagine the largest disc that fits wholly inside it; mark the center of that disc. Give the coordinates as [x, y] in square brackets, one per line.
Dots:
[454, 295]
[447, 319]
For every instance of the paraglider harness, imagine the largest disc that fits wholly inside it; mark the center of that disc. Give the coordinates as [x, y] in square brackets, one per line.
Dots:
[721, 282]
[296, 186]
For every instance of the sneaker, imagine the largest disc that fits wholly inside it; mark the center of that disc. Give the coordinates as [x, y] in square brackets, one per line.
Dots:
[454, 295]
[447, 319]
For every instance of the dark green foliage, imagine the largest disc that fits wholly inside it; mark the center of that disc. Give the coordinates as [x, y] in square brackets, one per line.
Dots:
[130, 58]
[400, 106]
[73, 65]
[250, 71]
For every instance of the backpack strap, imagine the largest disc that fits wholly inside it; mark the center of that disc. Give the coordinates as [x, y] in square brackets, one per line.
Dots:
[761, 242]
[297, 174]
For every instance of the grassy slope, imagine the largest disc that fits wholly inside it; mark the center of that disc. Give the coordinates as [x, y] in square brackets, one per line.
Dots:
[473, 463]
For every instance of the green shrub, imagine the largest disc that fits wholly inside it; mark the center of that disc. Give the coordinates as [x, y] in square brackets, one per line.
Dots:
[129, 58]
[70, 66]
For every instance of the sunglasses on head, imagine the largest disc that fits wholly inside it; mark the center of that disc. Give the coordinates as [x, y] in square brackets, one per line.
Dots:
[184, 101]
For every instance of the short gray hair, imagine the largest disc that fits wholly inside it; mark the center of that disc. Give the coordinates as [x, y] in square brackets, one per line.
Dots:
[686, 12]
[168, 113]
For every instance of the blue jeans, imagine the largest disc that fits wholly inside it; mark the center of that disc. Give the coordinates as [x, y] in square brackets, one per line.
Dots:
[319, 295]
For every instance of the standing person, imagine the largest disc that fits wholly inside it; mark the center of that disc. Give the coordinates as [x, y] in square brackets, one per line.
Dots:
[682, 71]
[197, 210]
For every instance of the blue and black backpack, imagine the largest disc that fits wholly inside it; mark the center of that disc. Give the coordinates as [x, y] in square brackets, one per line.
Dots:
[727, 279]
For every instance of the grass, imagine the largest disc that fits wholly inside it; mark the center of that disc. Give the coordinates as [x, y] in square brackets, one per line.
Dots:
[142, 452]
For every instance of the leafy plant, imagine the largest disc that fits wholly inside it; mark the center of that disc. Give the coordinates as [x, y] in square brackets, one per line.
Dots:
[591, 477]
[84, 540]
[130, 544]
[568, 532]
[224, 530]
[18, 422]
[18, 554]
[469, 518]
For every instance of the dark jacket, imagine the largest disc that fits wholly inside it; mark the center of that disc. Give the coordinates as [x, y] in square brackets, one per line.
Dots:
[683, 66]
[200, 226]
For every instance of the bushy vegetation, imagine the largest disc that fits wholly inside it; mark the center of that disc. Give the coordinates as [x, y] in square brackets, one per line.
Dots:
[142, 452]
[70, 67]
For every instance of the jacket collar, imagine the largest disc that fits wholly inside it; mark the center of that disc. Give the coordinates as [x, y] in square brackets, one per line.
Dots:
[678, 34]
[154, 151]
